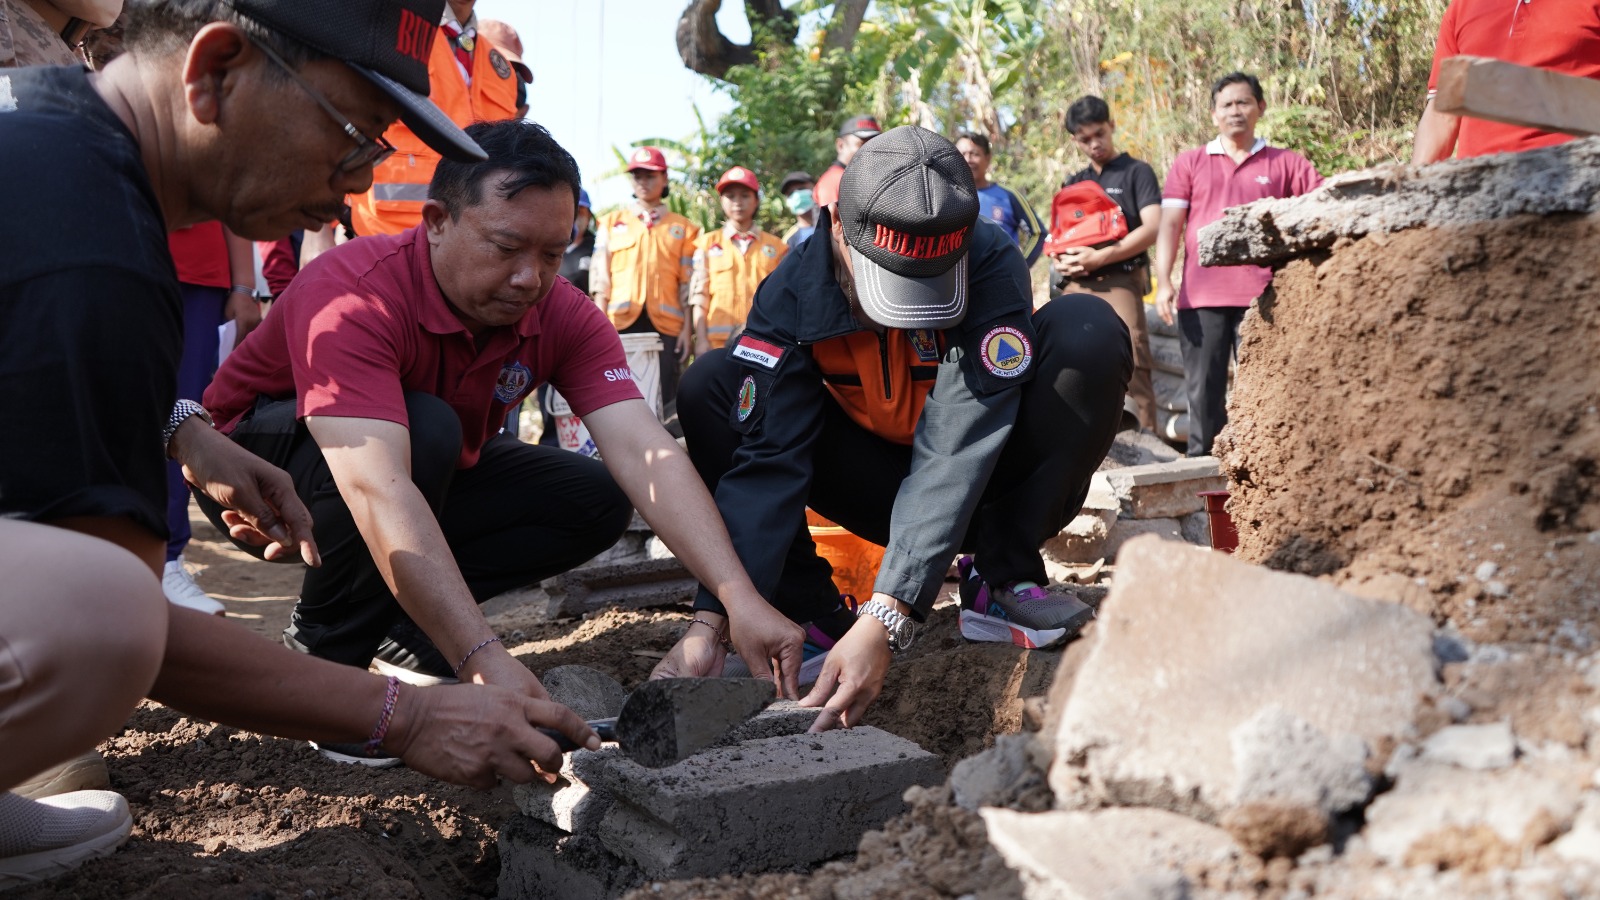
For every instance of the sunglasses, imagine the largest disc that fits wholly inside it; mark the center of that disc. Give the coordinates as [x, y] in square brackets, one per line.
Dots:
[368, 152]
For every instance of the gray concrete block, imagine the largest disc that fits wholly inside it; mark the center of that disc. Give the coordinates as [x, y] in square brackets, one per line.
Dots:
[783, 717]
[1431, 797]
[1125, 530]
[1489, 746]
[995, 776]
[588, 692]
[1166, 490]
[1195, 528]
[763, 804]
[1166, 355]
[1192, 644]
[1112, 853]
[631, 585]
[570, 804]
[538, 862]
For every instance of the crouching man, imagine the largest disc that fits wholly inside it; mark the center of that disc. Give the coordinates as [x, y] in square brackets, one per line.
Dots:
[379, 383]
[894, 377]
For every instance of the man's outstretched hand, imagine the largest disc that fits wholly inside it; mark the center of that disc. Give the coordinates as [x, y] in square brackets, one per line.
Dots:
[852, 678]
[258, 499]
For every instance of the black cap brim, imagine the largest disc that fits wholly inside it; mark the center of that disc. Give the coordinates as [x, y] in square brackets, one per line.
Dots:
[427, 121]
[896, 301]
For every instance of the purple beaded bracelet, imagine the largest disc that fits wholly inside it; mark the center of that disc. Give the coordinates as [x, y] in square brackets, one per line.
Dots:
[391, 694]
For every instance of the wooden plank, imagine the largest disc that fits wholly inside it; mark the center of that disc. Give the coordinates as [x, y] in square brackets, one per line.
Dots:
[1518, 95]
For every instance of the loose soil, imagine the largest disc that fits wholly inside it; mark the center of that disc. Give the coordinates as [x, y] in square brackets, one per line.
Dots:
[221, 813]
[1417, 416]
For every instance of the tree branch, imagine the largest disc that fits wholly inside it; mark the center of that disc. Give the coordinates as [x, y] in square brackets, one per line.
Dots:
[705, 49]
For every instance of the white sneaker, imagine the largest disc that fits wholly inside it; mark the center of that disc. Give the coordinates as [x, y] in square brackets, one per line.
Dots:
[41, 839]
[179, 586]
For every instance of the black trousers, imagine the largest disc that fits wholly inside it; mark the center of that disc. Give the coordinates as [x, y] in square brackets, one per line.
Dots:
[1069, 415]
[523, 513]
[1210, 340]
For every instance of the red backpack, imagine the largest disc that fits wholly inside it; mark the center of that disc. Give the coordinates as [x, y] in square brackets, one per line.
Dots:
[1083, 215]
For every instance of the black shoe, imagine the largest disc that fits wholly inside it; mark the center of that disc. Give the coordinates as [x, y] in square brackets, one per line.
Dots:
[408, 655]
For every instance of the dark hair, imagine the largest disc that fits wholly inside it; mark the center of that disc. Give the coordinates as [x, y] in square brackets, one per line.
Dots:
[1237, 78]
[522, 151]
[978, 140]
[1087, 110]
[169, 25]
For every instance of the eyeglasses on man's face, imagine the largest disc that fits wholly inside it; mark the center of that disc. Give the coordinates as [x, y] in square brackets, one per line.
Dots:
[368, 151]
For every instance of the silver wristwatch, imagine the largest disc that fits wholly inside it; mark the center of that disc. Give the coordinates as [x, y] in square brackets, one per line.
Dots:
[181, 412]
[902, 631]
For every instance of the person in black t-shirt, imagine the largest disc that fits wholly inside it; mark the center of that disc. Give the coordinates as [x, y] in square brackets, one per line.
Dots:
[1119, 272]
[254, 112]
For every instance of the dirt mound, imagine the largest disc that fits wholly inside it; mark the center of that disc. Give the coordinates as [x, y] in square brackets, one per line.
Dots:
[1416, 415]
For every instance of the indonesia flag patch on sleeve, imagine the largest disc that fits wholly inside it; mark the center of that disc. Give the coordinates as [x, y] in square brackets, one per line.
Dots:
[759, 352]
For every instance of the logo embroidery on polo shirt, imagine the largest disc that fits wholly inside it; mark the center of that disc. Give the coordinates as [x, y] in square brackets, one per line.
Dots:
[676, 231]
[1262, 179]
[923, 341]
[501, 67]
[512, 383]
[1006, 352]
[747, 397]
[619, 374]
[759, 352]
[767, 249]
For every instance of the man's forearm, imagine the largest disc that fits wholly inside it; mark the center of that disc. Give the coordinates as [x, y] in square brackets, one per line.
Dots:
[216, 670]
[1436, 136]
[1169, 236]
[1133, 243]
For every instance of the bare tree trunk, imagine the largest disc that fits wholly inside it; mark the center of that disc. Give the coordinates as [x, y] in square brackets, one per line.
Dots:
[706, 50]
[847, 17]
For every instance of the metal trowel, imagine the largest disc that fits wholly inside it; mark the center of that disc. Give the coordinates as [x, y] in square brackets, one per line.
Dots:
[669, 719]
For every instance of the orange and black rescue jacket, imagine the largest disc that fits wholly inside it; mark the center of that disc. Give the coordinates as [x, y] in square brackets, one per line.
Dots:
[951, 394]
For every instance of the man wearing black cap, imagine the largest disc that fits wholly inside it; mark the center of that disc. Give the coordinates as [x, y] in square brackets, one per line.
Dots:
[894, 377]
[264, 114]
[798, 192]
[853, 134]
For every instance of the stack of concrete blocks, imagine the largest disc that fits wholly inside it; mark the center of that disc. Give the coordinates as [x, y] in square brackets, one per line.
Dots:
[770, 798]
[1172, 404]
[1160, 498]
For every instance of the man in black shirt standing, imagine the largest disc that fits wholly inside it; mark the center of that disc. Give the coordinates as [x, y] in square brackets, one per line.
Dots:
[1118, 273]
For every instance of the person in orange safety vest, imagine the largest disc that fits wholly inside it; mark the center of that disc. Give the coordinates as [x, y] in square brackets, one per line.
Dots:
[730, 263]
[472, 81]
[639, 273]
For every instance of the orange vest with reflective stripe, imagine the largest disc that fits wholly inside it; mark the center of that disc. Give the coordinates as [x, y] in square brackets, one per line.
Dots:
[647, 265]
[400, 183]
[732, 279]
[881, 381]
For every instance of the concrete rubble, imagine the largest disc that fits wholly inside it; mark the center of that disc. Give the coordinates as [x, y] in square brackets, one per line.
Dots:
[1126, 501]
[1547, 181]
[1211, 682]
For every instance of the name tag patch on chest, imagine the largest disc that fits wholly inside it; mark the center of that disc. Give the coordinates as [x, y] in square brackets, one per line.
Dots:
[759, 352]
[925, 343]
[512, 383]
[714, 250]
[1007, 352]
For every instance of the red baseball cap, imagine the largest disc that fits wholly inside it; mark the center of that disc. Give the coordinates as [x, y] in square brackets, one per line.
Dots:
[739, 175]
[648, 158]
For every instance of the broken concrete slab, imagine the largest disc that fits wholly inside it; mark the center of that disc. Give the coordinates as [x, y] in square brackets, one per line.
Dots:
[1138, 448]
[588, 692]
[629, 585]
[1521, 807]
[538, 861]
[771, 803]
[1385, 199]
[1125, 530]
[1108, 853]
[1489, 746]
[1192, 644]
[1166, 490]
[1582, 842]
[1083, 540]
[998, 775]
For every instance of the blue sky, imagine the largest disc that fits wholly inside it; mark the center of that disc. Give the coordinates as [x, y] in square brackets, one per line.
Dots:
[607, 72]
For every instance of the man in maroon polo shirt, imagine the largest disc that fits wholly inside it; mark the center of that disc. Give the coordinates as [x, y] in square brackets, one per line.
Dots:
[1234, 169]
[379, 382]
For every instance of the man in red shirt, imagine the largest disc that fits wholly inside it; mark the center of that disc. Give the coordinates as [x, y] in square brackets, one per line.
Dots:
[380, 382]
[1559, 35]
[856, 131]
[1234, 169]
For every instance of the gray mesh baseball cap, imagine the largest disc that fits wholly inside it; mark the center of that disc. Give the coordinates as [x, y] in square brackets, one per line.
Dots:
[907, 205]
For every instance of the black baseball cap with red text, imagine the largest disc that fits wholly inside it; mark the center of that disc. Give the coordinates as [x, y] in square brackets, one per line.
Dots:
[387, 42]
